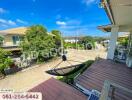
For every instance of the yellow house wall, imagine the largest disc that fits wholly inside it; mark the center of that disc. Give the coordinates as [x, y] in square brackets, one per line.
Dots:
[8, 40]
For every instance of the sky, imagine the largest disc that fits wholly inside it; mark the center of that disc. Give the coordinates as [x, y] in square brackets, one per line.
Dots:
[71, 17]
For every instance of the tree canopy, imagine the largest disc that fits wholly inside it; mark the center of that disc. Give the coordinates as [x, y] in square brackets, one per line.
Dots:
[57, 37]
[37, 39]
[123, 41]
[88, 40]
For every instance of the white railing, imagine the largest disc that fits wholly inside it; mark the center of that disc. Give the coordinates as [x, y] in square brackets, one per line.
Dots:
[110, 85]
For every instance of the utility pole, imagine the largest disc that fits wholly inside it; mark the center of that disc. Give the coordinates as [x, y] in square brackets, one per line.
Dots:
[62, 46]
[76, 40]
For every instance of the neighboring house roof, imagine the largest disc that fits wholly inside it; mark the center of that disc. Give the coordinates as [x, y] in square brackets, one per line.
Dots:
[14, 31]
[53, 89]
[124, 35]
[17, 31]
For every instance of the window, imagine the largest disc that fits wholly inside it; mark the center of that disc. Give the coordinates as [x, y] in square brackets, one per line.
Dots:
[15, 39]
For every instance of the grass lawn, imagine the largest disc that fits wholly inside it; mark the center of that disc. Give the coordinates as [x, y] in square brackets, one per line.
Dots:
[70, 78]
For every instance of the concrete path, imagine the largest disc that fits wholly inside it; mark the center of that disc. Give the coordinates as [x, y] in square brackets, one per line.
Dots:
[30, 77]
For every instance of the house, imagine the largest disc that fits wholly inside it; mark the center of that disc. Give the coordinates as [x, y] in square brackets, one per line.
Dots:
[119, 13]
[72, 39]
[12, 38]
[124, 35]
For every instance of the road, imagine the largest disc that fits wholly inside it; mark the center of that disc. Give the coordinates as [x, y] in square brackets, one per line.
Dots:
[30, 77]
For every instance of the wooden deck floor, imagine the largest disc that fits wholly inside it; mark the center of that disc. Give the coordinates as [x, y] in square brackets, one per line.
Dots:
[53, 89]
[94, 77]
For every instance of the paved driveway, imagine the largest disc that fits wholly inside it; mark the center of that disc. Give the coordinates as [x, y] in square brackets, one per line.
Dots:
[30, 77]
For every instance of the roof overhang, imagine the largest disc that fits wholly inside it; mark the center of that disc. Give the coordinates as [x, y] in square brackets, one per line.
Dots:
[119, 13]
[108, 10]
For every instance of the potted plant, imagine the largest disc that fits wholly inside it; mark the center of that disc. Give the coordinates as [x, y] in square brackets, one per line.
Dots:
[6, 65]
[129, 58]
[4, 61]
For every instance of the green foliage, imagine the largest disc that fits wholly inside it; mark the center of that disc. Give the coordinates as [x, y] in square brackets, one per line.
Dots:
[88, 40]
[130, 49]
[100, 39]
[123, 41]
[4, 60]
[38, 40]
[74, 45]
[57, 37]
[83, 43]
[1, 40]
[70, 78]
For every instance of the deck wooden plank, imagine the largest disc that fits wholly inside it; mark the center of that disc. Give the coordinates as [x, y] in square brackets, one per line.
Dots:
[53, 89]
[94, 77]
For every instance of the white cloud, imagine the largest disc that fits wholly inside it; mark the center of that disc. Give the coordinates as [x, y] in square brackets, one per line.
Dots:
[61, 23]
[88, 2]
[2, 11]
[69, 22]
[2, 25]
[10, 22]
[4, 22]
[7, 22]
[21, 21]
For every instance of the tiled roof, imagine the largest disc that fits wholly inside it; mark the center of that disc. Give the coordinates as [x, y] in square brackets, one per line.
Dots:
[14, 31]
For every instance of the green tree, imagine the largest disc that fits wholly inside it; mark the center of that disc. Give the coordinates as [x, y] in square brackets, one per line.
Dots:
[38, 40]
[57, 37]
[123, 41]
[100, 39]
[88, 40]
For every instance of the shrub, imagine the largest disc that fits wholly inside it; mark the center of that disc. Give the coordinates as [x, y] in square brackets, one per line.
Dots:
[5, 61]
[1, 40]
[70, 78]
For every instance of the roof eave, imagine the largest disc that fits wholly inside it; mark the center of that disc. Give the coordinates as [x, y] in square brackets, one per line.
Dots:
[108, 10]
